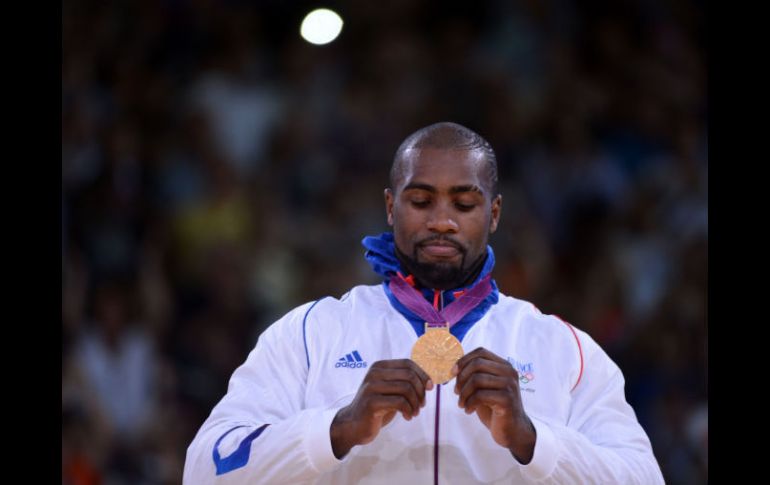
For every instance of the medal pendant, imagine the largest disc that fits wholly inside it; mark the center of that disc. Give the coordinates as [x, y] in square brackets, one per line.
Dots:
[436, 352]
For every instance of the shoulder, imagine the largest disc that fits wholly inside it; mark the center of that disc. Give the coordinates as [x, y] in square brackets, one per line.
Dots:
[550, 333]
[361, 295]
[533, 321]
[331, 308]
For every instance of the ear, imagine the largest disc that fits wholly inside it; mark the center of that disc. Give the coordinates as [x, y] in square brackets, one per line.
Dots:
[389, 205]
[497, 206]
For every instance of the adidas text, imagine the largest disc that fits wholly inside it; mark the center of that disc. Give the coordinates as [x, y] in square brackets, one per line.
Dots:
[352, 365]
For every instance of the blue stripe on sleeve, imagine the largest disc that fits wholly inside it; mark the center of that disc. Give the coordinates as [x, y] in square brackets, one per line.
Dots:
[239, 457]
[304, 337]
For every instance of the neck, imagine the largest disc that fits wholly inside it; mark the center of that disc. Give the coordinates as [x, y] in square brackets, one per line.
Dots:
[475, 269]
[465, 279]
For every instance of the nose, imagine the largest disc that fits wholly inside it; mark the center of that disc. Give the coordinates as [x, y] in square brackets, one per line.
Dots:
[441, 221]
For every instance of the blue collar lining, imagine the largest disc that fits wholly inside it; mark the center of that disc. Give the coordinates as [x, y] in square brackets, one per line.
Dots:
[381, 255]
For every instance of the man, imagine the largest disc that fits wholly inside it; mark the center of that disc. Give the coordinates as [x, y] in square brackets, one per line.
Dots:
[331, 395]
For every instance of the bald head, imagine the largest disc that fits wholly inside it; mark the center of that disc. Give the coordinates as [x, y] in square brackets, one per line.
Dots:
[446, 136]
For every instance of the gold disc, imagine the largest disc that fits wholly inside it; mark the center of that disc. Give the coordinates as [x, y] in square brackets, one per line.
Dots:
[436, 353]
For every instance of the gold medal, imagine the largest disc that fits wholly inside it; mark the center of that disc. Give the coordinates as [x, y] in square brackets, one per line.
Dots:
[436, 353]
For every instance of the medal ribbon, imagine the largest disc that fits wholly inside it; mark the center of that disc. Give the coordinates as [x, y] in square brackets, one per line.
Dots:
[452, 313]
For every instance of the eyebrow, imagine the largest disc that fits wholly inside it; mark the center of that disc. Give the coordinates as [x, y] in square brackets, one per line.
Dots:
[453, 190]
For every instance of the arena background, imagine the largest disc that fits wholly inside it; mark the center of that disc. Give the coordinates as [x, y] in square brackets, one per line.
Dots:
[217, 171]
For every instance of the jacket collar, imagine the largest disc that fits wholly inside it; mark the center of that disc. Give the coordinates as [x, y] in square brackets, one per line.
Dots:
[381, 255]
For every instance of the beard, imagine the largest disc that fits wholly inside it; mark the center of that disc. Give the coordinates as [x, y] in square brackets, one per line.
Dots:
[442, 276]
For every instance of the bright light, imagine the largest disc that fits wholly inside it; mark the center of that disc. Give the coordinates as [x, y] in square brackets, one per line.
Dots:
[321, 26]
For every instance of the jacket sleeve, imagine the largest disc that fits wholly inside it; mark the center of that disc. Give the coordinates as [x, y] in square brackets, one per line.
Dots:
[602, 441]
[261, 432]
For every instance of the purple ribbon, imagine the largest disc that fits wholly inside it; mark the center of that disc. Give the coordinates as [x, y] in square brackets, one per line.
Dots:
[452, 313]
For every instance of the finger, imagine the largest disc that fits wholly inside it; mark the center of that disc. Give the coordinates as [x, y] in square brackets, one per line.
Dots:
[485, 366]
[499, 401]
[392, 364]
[415, 376]
[481, 381]
[405, 364]
[395, 388]
[418, 385]
[401, 374]
[379, 405]
[478, 352]
[421, 374]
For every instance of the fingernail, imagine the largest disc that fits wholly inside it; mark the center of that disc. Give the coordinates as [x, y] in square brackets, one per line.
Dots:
[430, 385]
[454, 370]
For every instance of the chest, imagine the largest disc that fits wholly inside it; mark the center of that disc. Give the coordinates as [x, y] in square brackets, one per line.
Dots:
[340, 355]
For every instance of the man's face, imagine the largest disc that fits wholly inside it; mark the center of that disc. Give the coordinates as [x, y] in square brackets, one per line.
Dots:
[442, 213]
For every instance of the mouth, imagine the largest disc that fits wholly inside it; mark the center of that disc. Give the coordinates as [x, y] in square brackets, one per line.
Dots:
[440, 249]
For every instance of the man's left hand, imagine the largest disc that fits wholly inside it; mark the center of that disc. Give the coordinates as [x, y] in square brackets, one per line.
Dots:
[489, 385]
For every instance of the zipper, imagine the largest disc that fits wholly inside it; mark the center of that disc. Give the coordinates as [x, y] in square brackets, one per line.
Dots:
[438, 304]
[435, 435]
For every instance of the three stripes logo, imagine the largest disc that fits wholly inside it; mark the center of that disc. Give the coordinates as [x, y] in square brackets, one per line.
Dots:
[352, 360]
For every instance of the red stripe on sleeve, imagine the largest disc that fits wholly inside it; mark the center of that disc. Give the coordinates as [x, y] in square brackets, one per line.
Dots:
[580, 350]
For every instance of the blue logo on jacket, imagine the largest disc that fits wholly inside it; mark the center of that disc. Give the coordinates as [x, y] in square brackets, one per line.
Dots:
[525, 370]
[352, 360]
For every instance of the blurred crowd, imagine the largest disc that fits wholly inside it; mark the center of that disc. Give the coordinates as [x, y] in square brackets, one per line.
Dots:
[218, 171]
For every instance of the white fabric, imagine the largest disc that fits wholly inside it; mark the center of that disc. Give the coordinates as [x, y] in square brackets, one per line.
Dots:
[587, 435]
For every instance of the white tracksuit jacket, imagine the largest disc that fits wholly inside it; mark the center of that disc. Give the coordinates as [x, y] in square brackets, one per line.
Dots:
[309, 364]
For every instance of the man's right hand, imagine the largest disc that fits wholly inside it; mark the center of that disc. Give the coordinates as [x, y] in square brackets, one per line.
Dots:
[390, 386]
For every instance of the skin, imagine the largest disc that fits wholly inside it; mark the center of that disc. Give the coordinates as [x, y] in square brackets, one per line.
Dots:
[442, 213]
[488, 385]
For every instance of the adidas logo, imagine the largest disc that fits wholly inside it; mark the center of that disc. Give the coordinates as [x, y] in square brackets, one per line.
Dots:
[352, 360]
